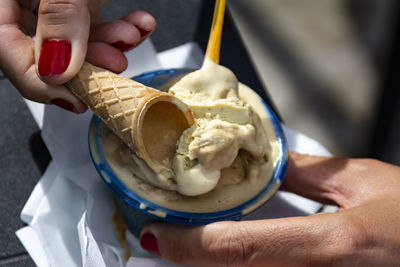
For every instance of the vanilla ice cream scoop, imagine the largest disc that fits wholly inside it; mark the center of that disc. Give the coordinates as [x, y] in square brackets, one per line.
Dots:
[224, 125]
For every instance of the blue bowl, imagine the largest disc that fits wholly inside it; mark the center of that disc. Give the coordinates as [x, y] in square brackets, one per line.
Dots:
[138, 211]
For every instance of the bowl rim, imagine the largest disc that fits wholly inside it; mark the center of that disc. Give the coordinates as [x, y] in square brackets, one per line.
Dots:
[193, 218]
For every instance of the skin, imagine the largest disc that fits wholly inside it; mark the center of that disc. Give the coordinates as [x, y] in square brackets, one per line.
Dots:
[24, 24]
[364, 232]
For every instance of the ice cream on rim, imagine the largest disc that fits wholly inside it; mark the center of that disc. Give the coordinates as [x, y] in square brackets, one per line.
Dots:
[225, 158]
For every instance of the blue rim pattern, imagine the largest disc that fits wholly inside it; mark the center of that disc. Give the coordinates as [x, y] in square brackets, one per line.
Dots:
[155, 79]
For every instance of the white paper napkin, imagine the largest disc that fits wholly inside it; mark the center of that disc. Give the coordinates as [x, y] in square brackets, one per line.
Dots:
[69, 213]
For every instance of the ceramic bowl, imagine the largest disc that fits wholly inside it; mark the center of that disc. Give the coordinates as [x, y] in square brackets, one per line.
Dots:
[139, 211]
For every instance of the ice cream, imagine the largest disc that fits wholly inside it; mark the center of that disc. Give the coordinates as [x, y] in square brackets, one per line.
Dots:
[224, 126]
[224, 159]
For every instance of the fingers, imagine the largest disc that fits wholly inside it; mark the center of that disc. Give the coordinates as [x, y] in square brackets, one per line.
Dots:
[62, 35]
[347, 182]
[117, 33]
[285, 242]
[17, 62]
[314, 177]
[61, 39]
[36, 90]
[144, 22]
[60, 46]
[111, 58]
[110, 39]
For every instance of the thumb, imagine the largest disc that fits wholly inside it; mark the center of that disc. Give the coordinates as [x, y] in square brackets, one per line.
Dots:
[297, 241]
[61, 39]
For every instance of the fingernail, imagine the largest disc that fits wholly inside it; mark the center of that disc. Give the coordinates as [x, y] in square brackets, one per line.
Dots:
[148, 242]
[54, 57]
[64, 104]
[121, 45]
[144, 33]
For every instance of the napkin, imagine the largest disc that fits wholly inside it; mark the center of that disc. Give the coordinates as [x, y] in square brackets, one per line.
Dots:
[69, 214]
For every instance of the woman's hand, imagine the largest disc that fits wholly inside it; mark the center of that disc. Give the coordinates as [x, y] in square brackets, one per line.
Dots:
[44, 43]
[364, 232]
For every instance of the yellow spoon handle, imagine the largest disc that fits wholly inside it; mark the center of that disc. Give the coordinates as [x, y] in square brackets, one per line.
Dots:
[214, 40]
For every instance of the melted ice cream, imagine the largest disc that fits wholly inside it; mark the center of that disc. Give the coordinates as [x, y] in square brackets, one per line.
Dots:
[224, 159]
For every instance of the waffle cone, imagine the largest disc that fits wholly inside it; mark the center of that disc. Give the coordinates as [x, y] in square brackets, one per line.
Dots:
[123, 103]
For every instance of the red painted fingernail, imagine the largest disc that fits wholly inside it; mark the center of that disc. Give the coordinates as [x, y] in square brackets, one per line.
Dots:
[149, 243]
[144, 33]
[64, 104]
[54, 57]
[121, 45]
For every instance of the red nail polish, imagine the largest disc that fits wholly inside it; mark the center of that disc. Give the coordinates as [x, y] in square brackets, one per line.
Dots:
[54, 57]
[121, 45]
[63, 104]
[144, 33]
[149, 243]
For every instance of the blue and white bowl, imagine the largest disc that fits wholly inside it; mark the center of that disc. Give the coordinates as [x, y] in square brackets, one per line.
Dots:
[139, 211]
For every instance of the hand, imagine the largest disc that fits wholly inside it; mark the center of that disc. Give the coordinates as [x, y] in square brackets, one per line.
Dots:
[364, 232]
[44, 43]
